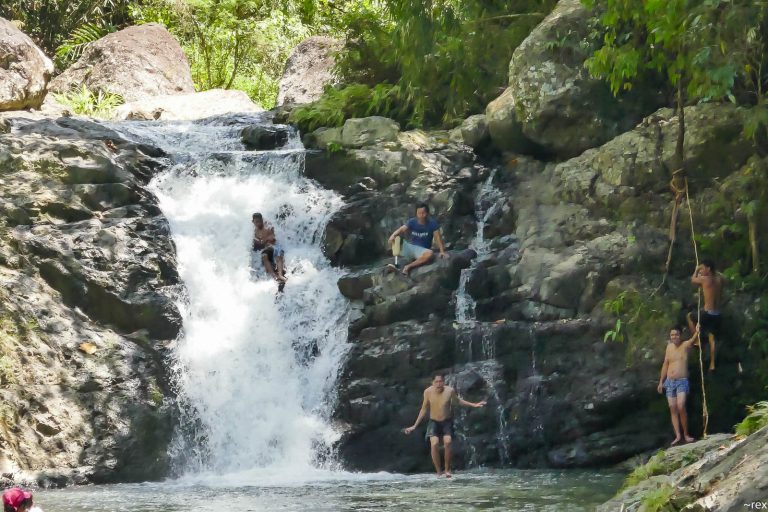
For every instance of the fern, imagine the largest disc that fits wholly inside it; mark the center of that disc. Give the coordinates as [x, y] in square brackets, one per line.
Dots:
[89, 103]
[755, 420]
[80, 38]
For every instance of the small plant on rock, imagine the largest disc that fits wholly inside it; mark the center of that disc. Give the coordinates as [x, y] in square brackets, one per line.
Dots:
[755, 420]
[90, 103]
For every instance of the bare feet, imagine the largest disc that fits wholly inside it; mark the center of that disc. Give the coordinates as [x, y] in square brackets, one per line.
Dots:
[688, 439]
[673, 443]
[448, 474]
[711, 368]
[438, 475]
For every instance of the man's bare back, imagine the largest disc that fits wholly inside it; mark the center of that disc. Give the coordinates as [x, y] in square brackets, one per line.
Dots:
[711, 287]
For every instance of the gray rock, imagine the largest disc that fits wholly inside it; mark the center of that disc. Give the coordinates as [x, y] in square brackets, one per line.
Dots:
[473, 131]
[137, 63]
[551, 97]
[85, 257]
[720, 473]
[366, 131]
[263, 137]
[24, 72]
[308, 70]
[641, 160]
[188, 106]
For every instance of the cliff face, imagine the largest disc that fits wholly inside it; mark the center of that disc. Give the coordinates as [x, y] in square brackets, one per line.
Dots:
[87, 274]
[572, 247]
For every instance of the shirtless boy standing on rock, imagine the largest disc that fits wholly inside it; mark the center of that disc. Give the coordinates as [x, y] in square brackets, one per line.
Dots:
[439, 398]
[674, 379]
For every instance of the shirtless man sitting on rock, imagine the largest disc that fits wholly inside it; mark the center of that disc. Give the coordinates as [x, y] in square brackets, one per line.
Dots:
[439, 398]
[674, 379]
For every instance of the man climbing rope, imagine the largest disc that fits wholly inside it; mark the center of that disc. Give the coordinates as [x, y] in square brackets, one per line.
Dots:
[711, 283]
[421, 230]
[439, 399]
[674, 379]
[272, 255]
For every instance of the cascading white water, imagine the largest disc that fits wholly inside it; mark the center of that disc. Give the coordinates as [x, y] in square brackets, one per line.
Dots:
[256, 369]
[487, 202]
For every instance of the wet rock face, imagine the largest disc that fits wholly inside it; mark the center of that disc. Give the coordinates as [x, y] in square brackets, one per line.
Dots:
[24, 69]
[557, 254]
[137, 63]
[87, 278]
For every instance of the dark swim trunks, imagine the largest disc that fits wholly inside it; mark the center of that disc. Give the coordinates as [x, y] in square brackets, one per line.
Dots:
[710, 324]
[439, 428]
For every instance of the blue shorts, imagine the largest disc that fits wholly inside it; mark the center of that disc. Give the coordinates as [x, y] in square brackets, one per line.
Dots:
[675, 386]
[410, 251]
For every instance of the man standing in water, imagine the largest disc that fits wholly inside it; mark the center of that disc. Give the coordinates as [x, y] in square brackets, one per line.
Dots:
[439, 398]
[674, 379]
[272, 255]
[711, 283]
[421, 230]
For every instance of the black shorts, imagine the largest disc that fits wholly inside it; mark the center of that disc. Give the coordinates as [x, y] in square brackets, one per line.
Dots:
[439, 428]
[710, 324]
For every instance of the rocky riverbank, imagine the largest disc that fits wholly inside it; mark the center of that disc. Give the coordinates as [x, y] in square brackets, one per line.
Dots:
[87, 279]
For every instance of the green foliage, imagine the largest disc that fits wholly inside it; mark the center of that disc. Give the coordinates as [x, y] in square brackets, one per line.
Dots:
[239, 44]
[705, 46]
[356, 100]
[50, 23]
[640, 320]
[654, 466]
[656, 500]
[757, 418]
[616, 308]
[447, 58]
[72, 48]
[90, 103]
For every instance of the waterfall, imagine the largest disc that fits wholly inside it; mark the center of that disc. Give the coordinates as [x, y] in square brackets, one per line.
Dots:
[254, 369]
[487, 203]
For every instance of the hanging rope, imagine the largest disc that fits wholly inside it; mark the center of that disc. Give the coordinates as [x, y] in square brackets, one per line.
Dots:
[704, 411]
[679, 187]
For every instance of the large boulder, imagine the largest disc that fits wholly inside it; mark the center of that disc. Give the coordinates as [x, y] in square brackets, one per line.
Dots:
[554, 101]
[181, 107]
[87, 273]
[137, 62]
[308, 70]
[24, 69]
[642, 160]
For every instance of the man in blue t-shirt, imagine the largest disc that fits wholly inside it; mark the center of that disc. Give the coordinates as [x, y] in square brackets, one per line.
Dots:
[418, 247]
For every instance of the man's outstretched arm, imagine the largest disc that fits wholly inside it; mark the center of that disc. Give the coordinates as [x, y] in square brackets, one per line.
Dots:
[468, 404]
[422, 413]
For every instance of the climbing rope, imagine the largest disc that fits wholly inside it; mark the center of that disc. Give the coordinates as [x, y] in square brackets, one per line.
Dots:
[704, 411]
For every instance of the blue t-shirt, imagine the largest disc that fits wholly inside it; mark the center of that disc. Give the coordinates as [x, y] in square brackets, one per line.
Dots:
[421, 234]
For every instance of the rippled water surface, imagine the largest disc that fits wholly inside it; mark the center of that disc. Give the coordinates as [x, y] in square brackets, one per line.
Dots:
[507, 490]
